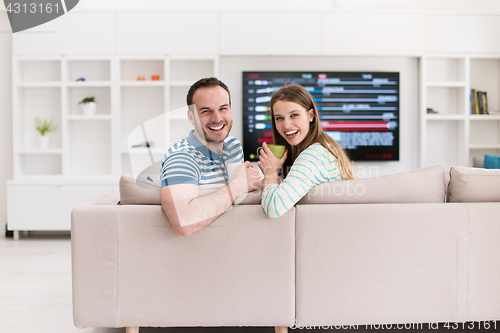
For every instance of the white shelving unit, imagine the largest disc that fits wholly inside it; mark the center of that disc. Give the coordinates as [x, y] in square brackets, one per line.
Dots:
[454, 135]
[89, 153]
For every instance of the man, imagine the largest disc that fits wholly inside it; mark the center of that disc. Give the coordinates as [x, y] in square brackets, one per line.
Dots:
[199, 162]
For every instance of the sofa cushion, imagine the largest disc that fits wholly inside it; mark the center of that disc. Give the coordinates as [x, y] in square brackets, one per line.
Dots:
[425, 185]
[491, 161]
[138, 192]
[145, 192]
[478, 161]
[474, 185]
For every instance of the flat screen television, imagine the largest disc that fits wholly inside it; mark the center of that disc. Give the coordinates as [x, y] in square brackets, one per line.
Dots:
[360, 110]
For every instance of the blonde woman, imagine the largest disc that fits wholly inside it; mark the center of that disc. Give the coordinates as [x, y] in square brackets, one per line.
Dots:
[312, 157]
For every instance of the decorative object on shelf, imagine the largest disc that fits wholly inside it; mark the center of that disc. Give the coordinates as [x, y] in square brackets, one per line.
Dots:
[88, 106]
[81, 79]
[478, 102]
[491, 161]
[431, 111]
[155, 77]
[44, 127]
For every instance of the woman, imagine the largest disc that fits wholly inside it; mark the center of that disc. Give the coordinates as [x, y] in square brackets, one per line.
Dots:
[312, 157]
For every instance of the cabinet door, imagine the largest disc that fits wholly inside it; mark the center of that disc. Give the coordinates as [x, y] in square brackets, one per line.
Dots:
[72, 33]
[47, 207]
[373, 34]
[166, 33]
[270, 33]
[463, 33]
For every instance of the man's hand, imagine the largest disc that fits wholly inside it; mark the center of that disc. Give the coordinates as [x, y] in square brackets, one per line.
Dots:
[246, 179]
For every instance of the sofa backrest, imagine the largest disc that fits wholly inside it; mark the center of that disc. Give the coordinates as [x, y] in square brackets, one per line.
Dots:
[474, 185]
[425, 185]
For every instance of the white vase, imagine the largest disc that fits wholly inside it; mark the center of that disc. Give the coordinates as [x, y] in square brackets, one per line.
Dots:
[43, 141]
[89, 109]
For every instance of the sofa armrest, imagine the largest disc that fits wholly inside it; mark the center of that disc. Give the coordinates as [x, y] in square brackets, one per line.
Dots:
[94, 257]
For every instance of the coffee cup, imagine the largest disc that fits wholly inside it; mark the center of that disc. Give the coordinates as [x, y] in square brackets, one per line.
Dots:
[278, 150]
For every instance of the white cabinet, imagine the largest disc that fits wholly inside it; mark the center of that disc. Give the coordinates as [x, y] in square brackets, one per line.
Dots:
[167, 33]
[72, 33]
[373, 34]
[93, 150]
[45, 206]
[463, 33]
[453, 135]
[270, 33]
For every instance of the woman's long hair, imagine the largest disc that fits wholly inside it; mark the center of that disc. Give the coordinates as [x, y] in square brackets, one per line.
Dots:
[297, 94]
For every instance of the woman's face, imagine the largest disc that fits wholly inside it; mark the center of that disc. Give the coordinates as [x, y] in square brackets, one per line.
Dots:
[292, 121]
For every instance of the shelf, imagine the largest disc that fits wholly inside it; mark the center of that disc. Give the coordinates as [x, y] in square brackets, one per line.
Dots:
[483, 117]
[40, 164]
[446, 84]
[40, 151]
[41, 84]
[46, 87]
[94, 117]
[142, 83]
[91, 84]
[484, 146]
[444, 117]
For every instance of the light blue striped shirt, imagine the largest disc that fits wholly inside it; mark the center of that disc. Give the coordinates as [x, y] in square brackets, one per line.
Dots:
[188, 161]
[313, 166]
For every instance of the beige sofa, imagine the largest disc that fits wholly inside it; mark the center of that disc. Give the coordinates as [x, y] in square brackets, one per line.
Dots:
[384, 250]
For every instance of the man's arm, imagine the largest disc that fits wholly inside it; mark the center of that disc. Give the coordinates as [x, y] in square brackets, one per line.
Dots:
[188, 212]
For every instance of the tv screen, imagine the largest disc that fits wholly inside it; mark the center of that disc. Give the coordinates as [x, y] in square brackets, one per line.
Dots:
[360, 110]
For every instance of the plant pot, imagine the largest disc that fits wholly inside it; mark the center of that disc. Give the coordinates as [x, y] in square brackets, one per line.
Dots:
[89, 109]
[43, 142]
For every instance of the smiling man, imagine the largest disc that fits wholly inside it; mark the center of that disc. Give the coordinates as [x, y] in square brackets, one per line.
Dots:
[195, 184]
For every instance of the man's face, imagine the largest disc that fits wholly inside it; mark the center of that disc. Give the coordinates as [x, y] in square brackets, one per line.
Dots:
[212, 118]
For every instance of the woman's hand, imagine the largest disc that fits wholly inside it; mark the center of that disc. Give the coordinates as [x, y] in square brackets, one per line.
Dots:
[269, 163]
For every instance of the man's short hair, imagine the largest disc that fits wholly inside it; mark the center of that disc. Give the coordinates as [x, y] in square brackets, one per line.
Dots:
[205, 83]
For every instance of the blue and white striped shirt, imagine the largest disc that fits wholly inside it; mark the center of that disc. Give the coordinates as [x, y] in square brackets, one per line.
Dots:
[313, 166]
[188, 161]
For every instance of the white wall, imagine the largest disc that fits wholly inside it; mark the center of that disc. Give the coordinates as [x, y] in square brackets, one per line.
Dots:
[296, 5]
[5, 113]
[230, 73]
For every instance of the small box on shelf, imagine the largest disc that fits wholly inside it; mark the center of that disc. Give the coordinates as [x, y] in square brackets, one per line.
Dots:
[146, 70]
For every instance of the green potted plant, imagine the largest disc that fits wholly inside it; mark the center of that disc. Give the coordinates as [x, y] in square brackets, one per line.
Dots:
[44, 127]
[88, 106]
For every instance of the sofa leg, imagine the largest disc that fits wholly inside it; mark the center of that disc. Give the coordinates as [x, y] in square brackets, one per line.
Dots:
[132, 330]
[281, 329]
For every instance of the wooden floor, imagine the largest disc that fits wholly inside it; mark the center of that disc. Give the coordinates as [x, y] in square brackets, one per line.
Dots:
[35, 292]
